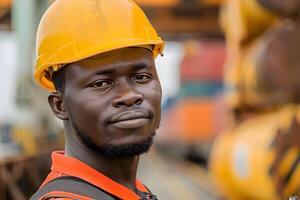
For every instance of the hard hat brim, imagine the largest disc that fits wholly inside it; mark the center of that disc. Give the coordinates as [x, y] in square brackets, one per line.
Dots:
[45, 81]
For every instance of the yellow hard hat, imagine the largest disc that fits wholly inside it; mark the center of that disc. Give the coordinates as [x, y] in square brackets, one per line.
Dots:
[72, 30]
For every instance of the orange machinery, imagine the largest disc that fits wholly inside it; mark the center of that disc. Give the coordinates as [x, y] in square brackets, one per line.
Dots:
[258, 158]
[5, 3]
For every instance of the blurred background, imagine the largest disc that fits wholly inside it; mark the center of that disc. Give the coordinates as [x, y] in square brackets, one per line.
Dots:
[231, 89]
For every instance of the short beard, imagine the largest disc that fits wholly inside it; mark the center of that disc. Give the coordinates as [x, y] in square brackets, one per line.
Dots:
[112, 151]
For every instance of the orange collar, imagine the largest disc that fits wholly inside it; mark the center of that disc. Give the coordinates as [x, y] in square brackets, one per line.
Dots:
[72, 167]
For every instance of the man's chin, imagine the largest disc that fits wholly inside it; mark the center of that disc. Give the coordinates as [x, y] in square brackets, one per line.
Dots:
[127, 150]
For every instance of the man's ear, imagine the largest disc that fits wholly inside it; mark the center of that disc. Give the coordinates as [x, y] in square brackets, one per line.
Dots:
[56, 102]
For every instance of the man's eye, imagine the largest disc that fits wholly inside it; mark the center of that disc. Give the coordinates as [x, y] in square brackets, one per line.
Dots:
[141, 78]
[98, 84]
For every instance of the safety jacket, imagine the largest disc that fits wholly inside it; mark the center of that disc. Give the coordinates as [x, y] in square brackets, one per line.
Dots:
[72, 179]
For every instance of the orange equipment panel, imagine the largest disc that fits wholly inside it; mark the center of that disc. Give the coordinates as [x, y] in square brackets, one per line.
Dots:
[192, 120]
[5, 3]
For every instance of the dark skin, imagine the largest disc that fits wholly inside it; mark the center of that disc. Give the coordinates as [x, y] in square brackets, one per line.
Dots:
[113, 99]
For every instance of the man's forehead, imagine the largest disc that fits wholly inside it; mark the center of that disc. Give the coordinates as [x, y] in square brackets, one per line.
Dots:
[127, 59]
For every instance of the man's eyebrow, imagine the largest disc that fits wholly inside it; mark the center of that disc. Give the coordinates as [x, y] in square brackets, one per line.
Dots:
[105, 72]
[134, 66]
[139, 66]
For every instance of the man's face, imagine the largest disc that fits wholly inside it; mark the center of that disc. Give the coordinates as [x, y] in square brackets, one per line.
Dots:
[113, 100]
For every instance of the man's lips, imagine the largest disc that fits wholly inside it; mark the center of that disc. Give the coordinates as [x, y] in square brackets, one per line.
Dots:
[130, 119]
[130, 115]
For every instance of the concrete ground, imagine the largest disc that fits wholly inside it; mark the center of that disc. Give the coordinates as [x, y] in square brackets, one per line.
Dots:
[170, 178]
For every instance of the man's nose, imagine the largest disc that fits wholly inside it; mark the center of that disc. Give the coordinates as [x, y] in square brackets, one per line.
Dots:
[127, 96]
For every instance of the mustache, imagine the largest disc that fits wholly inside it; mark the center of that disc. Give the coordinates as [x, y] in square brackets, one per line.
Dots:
[130, 115]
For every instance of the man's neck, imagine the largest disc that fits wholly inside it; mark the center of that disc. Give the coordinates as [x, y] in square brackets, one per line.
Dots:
[123, 171]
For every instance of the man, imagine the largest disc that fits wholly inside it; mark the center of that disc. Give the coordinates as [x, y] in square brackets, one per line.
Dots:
[97, 58]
